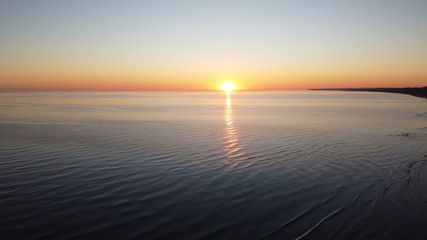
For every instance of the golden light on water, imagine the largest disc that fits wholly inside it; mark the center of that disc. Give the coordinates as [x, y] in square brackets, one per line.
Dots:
[234, 151]
[228, 100]
[228, 87]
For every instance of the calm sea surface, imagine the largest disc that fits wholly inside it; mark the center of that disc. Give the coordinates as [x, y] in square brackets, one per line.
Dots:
[165, 165]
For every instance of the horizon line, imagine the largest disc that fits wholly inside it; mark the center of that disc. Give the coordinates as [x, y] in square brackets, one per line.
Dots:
[190, 90]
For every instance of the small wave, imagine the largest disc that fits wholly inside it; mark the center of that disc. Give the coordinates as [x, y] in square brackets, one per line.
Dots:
[296, 218]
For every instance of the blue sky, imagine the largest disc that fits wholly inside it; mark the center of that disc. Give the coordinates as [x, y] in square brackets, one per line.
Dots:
[272, 40]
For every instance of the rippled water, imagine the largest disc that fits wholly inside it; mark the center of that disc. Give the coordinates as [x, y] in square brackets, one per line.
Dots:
[162, 165]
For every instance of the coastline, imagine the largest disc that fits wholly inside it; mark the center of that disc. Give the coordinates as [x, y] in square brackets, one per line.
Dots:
[416, 92]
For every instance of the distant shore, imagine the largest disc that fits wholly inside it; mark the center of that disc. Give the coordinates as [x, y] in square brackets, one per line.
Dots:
[417, 92]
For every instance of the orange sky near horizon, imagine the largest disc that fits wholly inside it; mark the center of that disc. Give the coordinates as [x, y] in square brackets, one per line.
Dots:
[185, 82]
[194, 45]
[67, 83]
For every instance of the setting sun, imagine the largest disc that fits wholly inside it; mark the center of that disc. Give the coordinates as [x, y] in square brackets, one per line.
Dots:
[228, 87]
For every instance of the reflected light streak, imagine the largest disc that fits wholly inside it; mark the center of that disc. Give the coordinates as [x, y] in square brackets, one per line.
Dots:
[233, 150]
[228, 100]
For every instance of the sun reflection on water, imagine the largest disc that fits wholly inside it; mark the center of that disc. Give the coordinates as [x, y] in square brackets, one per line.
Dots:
[233, 149]
[228, 100]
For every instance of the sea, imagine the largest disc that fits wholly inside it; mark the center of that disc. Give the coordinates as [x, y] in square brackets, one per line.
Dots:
[203, 165]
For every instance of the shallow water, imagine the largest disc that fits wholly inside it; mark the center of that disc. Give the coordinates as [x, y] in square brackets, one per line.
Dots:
[165, 165]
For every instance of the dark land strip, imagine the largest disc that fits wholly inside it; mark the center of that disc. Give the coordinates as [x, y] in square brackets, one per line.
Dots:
[417, 92]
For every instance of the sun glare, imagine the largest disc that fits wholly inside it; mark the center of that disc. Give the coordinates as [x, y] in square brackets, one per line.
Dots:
[228, 87]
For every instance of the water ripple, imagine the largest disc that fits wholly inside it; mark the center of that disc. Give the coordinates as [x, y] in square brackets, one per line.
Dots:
[290, 169]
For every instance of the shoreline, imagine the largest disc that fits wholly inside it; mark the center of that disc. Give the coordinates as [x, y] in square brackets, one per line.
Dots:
[416, 92]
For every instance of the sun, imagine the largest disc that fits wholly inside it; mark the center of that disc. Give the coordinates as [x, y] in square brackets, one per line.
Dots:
[228, 87]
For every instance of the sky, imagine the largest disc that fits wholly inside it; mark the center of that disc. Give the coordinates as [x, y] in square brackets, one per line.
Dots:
[196, 45]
